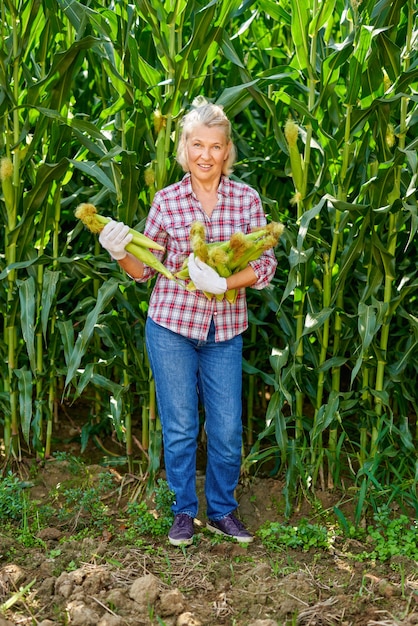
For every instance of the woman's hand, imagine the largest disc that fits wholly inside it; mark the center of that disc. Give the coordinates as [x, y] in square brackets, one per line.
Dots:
[204, 277]
[114, 238]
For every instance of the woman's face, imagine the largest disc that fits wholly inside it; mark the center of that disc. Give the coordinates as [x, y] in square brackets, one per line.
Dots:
[207, 150]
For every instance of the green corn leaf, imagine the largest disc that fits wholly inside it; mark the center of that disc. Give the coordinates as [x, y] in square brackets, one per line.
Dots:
[203, 35]
[306, 219]
[333, 64]
[396, 369]
[326, 8]
[49, 287]
[357, 62]
[374, 283]
[105, 294]
[227, 11]
[406, 437]
[406, 79]
[275, 415]
[120, 85]
[27, 289]
[315, 321]
[341, 205]
[277, 12]
[368, 326]
[386, 12]
[129, 187]
[83, 127]
[144, 69]
[89, 376]
[236, 99]
[335, 361]
[296, 258]
[18, 596]
[66, 330]
[384, 258]
[413, 213]
[298, 106]
[116, 413]
[299, 257]
[46, 174]
[325, 416]
[230, 53]
[372, 83]
[17, 266]
[155, 17]
[299, 28]
[391, 55]
[251, 369]
[77, 13]
[95, 172]
[57, 84]
[25, 386]
[350, 255]
[279, 362]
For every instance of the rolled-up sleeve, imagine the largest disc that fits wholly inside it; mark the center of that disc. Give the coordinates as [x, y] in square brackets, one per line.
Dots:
[264, 268]
[154, 230]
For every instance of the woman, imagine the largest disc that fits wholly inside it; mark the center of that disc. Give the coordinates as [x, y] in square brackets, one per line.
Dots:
[195, 343]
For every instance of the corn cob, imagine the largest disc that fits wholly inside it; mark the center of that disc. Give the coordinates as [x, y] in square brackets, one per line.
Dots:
[6, 173]
[95, 222]
[229, 257]
[291, 131]
[140, 246]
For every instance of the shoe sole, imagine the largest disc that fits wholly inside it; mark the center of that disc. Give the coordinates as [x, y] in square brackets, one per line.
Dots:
[216, 531]
[180, 542]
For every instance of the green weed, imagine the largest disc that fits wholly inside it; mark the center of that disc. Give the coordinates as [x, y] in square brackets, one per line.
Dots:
[387, 536]
[155, 522]
[276, 536]
[83, 506]
[12, 498]
[392, 536]
[76, 465]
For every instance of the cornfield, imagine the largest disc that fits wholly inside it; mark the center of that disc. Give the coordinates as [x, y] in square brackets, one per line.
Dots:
[323, 98]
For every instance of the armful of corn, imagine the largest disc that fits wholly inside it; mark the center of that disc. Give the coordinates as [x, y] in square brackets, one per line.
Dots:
[140, 246]
[230, 257]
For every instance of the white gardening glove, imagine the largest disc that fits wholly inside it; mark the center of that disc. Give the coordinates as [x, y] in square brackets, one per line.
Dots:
[204, 277]
[114, 238]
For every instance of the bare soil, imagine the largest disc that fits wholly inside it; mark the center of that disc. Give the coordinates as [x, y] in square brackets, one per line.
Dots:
[103, 579]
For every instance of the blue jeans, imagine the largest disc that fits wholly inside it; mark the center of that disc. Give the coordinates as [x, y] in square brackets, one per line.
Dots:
[186, 371]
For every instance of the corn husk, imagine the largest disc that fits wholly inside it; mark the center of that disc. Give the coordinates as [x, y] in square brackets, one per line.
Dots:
[95, 222]
[140, 246]
[6, 173]
[230, 257]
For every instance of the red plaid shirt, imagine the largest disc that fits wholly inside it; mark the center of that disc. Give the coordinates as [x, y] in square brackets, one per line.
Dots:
[173, 210]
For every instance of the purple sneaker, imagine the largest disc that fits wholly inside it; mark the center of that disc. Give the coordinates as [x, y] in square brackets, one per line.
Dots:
[182, 531]
[230, 526]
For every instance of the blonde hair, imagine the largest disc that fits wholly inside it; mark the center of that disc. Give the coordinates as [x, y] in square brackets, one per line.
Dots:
[207, 114]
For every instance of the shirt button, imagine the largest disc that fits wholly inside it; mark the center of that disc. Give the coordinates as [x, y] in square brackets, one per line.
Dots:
[215, 312]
